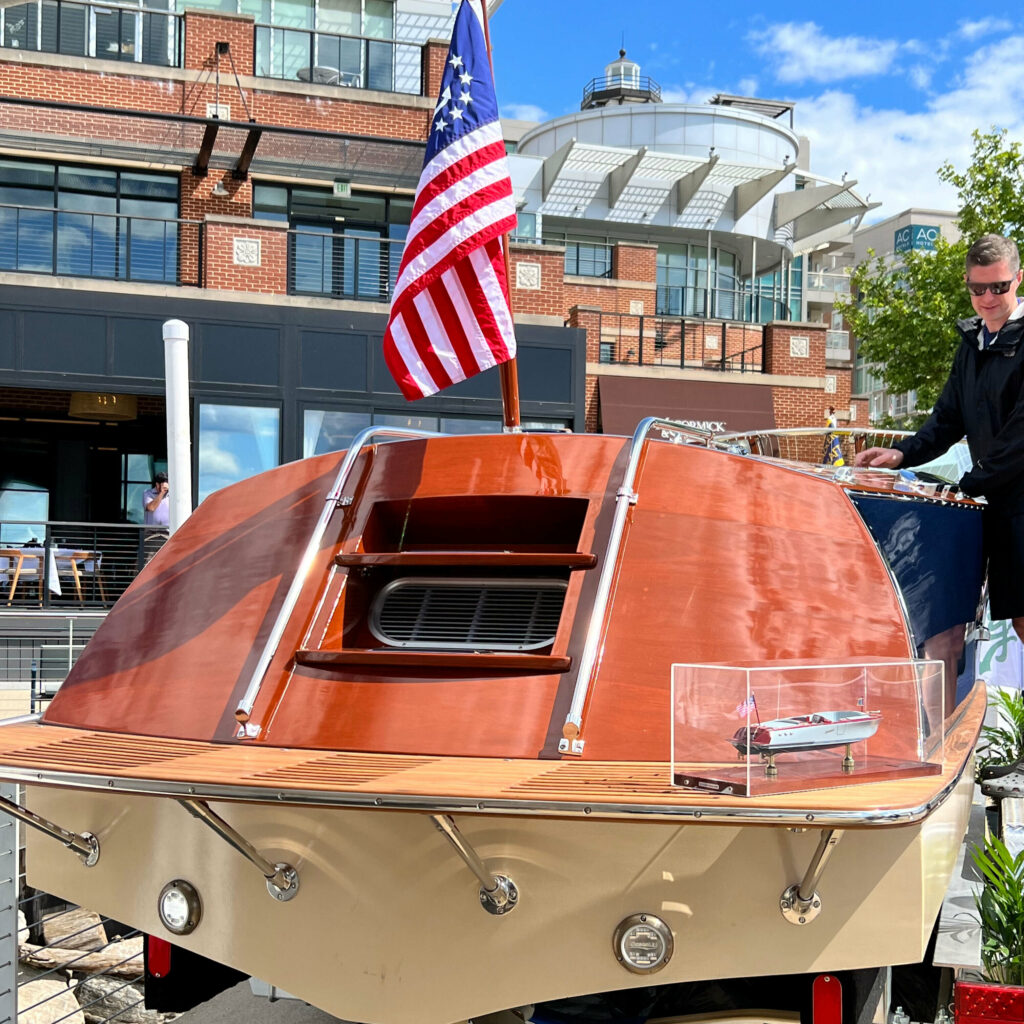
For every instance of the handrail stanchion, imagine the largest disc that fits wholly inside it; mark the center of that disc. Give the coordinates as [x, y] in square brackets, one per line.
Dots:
[332, 502]
[624, 497]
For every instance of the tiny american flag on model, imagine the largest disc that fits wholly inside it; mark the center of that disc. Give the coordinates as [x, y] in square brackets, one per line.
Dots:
[450, 316]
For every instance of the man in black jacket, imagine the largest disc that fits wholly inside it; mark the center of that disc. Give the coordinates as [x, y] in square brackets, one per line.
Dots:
[984, 399]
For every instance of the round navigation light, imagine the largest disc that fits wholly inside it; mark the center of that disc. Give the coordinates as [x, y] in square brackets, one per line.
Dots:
[643, 943]
[180, 907]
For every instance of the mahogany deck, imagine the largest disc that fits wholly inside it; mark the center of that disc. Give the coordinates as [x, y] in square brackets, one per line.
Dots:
[78, 758]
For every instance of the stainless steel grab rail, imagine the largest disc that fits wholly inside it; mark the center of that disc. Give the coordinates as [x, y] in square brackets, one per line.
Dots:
[245, 705]
[624, 497]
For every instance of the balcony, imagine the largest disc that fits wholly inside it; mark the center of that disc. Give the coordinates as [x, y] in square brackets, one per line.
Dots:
[627, 339]
[327, 58]
[342, 266]
[38, 240]
[71, 567]
[824, 287]
[837, 345]
[112, 32]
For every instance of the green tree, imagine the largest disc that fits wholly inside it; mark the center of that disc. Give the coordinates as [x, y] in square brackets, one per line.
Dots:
[903, 313]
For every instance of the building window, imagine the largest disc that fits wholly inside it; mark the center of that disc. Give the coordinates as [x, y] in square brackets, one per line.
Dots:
[330, 430]
[24, 509]
[137, 472]
[348, 247]
[88, 221]
[236, 442]
[330, 42]
[142, 31]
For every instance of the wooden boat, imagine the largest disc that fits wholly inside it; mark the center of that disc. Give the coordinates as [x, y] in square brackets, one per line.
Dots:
[820, 730]
[392, 729]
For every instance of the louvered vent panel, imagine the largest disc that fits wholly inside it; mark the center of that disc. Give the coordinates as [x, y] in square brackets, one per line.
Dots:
[102, 752]
[342, 769]
[480, 615]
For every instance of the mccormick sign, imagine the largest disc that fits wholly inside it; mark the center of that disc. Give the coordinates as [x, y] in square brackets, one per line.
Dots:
[916, 236]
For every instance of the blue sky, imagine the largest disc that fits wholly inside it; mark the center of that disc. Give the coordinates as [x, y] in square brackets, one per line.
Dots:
[886, 92]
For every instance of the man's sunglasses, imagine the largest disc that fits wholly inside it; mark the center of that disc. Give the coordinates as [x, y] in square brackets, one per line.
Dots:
[995, 287]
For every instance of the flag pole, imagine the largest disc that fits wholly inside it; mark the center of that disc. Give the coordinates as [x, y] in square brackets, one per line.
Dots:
[509, 370]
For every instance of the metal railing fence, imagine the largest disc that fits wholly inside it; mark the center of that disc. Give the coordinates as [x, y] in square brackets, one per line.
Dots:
[109, 31]
[71, 566]
[343, 266]
[113, 246]
[633, 340]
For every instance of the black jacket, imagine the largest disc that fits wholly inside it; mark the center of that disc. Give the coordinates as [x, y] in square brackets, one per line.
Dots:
[984, 399]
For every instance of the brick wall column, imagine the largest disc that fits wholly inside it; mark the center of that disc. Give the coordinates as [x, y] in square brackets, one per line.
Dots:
[635, 261]
[434, 54]
[794, 349]
[203, 30]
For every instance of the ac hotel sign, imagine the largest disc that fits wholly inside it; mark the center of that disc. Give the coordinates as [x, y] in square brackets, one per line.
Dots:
[916, 236]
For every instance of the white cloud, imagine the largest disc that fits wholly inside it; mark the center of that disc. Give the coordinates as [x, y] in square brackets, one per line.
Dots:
[747, 86]
[921, 76]
[895, 155]
[524, 112]
[801, 52]
[983, 27]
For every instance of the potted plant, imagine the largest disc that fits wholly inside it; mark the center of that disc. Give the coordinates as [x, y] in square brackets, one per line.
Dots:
[1002, 745]
[1000, 907]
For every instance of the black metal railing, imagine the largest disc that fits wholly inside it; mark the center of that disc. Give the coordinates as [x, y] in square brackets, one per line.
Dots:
[738, 304]
[629, 86]
[108, 31]
[343, 266]
[632, 340]
[67, 565]
[113, 246]
[328, 58]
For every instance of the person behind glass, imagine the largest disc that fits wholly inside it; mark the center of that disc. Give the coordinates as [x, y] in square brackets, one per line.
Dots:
[983, 399]
[155, 504]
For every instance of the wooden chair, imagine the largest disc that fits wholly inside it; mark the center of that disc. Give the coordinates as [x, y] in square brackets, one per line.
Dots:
[76, 562]
[16, 559]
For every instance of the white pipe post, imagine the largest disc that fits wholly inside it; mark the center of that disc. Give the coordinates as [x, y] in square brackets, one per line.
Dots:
[179, 454]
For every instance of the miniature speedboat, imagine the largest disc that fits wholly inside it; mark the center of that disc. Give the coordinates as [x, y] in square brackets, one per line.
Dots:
[818, 731]
[394, 730]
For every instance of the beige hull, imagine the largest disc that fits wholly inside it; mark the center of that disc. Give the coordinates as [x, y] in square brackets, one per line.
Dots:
[387, 926]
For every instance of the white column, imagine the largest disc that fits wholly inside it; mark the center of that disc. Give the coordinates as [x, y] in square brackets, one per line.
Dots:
[179, 454]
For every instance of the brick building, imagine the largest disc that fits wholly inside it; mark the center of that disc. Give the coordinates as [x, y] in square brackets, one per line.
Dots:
[249, 168]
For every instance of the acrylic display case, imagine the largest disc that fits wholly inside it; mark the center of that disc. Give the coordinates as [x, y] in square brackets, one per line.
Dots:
[783, 728]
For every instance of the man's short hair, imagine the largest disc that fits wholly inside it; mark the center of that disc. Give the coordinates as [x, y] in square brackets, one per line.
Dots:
[160, 478]
[991, 249]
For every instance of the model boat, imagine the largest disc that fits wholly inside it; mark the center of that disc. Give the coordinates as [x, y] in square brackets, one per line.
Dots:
[819, 731]
[392, 729]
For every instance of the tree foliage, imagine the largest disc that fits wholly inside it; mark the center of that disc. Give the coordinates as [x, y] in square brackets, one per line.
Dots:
[903, 313]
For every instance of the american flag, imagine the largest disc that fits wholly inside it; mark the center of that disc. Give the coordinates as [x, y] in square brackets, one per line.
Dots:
[745, 707]
[450, 314]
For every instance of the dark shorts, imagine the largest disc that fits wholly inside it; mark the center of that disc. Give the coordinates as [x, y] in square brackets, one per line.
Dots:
[1004, 546]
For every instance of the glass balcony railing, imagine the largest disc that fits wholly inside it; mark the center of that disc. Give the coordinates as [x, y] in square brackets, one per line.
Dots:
[113, 246]
[111, 31]
[326, 58]
[838, 284]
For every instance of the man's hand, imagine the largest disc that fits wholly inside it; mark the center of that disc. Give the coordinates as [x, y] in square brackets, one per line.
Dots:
[881, 458]
[163, 489]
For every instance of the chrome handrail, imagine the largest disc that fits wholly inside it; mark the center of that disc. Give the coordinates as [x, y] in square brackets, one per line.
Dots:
[624, 497]
[331, 503]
